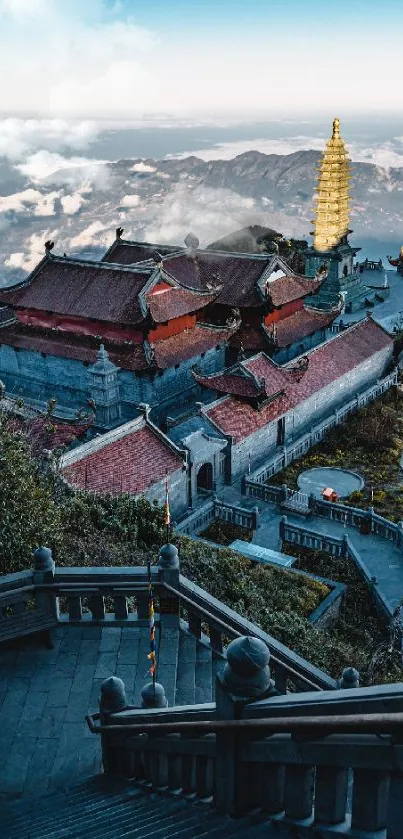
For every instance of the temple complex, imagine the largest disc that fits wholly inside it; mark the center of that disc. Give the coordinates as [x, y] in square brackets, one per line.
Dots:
[155, 316]
[332, 257]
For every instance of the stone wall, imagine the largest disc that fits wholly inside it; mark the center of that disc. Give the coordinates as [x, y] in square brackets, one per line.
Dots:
[178, 493]
[263, 443]
[41, 377]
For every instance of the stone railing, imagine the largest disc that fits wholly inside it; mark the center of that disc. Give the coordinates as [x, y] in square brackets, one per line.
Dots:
[309, 760]
[119, 597]
[292, 451]
[216, 509]
[336, 546]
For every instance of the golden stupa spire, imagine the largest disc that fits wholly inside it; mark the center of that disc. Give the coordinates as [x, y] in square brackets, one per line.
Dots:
[332, 200]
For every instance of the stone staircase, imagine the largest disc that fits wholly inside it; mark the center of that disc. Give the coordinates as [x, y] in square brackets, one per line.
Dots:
[45, 695]
[102, 808]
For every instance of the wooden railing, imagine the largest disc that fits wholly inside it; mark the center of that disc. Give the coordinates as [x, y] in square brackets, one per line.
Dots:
[333, 760]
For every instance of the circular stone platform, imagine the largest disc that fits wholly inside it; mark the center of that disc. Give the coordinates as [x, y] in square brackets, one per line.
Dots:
[344, 482]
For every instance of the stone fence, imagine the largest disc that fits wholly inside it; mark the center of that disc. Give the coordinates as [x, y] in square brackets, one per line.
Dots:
[216, 509]
[336, 546]
[292, 451]
[31, 601]
[311, 762]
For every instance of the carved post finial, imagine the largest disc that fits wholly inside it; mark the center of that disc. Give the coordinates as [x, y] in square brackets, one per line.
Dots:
[350, 678]
[246, 674]
[153, 696]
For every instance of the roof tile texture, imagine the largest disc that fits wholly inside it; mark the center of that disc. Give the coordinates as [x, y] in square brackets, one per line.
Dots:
[327, 363]
[131, 464]
[82, 290]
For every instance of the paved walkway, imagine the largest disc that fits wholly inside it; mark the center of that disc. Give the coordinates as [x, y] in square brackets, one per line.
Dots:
[381, 557]
[45, 695]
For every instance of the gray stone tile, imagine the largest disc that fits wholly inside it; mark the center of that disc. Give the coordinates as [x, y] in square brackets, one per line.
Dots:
[110, 640]
[92, 633]
[51, 722]
[16, 765]
[59, 692]
[40, 765]
[88, 652]
[106, 665]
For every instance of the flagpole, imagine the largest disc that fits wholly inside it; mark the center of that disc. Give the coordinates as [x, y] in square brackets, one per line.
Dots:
[167, 512]
[152, 655]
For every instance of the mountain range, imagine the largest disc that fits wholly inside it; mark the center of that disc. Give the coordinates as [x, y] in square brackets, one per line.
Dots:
[79, 206]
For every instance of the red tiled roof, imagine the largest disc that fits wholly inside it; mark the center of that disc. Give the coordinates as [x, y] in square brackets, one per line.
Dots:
[189, 344]
[327, 363]
[238, 275]
[267, 379]
[48, 433]
[300, 324]
[286, 289]
[264, 368]
[128, 253]
[168, 352]
[82, 289]
[230, 383]
[173, 302]
[132, 463]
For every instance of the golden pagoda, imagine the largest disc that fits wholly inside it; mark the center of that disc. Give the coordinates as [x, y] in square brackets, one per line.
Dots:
[332, 201]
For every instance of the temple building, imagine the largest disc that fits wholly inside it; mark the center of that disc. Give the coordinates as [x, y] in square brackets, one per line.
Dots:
[332, 257]
[262, 407]
[130, 332]
[136, 458]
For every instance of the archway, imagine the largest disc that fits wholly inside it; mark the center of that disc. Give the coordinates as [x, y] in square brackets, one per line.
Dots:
[205, 478]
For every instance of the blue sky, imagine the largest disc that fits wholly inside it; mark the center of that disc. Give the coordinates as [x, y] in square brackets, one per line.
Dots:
[129, 57]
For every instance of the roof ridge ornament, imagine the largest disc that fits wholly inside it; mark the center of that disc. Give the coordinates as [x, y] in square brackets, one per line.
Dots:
[336, 129]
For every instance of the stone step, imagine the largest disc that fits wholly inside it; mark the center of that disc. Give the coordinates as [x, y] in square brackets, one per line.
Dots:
[186, 671]
[103, 809]
[167, 662]
[218, 664]
[203, 674]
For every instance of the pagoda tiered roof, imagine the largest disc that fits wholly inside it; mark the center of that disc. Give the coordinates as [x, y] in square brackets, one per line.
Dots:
[332, 200]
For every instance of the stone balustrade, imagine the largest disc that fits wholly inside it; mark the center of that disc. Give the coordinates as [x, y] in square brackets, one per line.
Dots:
[119, 597]
[216, 509]
[307, 760]
[338, 547]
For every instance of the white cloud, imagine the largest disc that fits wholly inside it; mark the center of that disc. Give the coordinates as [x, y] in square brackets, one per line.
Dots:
[29, 201]
[72, 203]
[209, 214]
[33, 251]
[143, 167]
[95, 234]
[130, 201]
[19, 137]
[44, 164]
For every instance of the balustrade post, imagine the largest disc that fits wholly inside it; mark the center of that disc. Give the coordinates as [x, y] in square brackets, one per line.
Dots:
[350, 678]
[282, 527]
[168, 572]
[331, 787]
[112, 700]
[44, 572]
[153, 696]
[299, 789]
[245, 678]
[255, 518]
[370, 800]
[400, 534]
